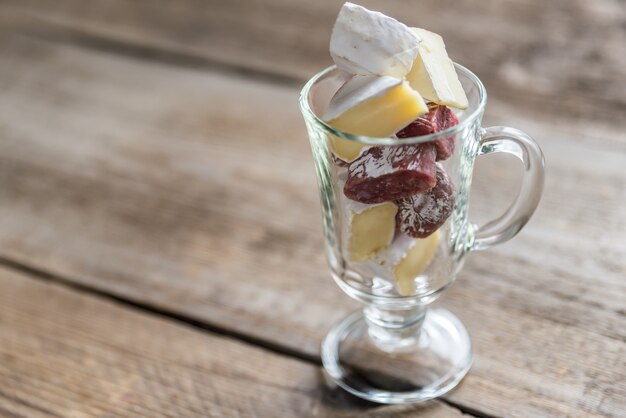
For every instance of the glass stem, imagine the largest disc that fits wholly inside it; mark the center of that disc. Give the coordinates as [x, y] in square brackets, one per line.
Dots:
[395, 330]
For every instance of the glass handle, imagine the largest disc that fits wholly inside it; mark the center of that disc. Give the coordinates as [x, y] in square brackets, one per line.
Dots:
[515, 142]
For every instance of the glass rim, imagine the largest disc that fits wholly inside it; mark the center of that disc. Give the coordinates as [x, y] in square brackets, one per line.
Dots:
[319, 123]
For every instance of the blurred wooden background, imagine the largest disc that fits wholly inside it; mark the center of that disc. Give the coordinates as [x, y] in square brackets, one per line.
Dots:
[160, 239]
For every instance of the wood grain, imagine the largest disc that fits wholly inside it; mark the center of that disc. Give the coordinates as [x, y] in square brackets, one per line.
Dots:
[65, 354]
[564, 54]
[193, 195]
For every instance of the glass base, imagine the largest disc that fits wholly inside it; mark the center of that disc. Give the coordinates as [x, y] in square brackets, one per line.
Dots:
[435, 364]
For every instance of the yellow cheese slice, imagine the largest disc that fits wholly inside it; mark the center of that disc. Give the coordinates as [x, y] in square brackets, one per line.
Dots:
[433, 74]
[379, 116]
[416, 260]
[344, 148]
[371, 230]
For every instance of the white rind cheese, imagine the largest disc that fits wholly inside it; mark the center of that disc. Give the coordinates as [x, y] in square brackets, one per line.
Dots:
[358, 89]
[369, 229]
[367, 42]
[415, 261]
[370, 105]
[433, 74]
[404, 260]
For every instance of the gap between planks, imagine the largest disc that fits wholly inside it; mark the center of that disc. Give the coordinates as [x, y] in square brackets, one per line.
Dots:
[54, 32]
[285, 351]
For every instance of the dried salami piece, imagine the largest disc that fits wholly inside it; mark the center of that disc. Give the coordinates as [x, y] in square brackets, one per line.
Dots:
[437, 119]
[385, 173]
[422, 214]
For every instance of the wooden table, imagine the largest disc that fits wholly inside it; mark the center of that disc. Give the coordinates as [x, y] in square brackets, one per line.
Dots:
[160, 240]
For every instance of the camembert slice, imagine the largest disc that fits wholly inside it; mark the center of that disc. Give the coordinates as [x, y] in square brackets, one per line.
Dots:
[433, 74]
[371, 229]
[371, 106]
[416, 260]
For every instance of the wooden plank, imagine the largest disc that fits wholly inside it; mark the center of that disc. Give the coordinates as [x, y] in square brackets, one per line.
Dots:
[538, 54]
[192, 194]
[64, 353]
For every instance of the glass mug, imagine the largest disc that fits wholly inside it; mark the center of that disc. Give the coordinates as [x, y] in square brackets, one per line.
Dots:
[395, 350]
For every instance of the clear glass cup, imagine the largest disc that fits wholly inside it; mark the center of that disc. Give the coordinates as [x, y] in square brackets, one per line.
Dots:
[395, 350]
